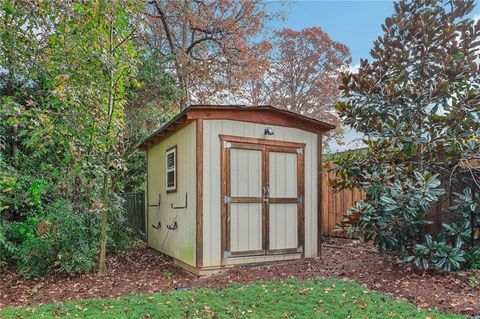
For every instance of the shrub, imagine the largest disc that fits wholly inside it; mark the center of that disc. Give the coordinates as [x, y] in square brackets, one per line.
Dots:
[118, 234]
[67, 242]
[8, 249]
[76, 248]
[472, 258]
[35, 256]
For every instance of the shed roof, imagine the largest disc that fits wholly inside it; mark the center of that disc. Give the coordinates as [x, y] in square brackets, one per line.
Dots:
[263, 114]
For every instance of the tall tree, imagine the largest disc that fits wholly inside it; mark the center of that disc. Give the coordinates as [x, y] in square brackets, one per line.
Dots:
[304, 74]
[417, 102]
[95, 63]
[210, 45]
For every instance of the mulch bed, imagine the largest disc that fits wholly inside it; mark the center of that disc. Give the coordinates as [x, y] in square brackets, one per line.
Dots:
[144, 270]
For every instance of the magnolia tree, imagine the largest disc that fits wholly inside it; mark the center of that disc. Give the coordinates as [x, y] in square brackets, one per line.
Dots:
[417, 103]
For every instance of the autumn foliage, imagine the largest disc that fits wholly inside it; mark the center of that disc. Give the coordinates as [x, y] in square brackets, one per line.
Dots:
[211, 46]
[303, 75]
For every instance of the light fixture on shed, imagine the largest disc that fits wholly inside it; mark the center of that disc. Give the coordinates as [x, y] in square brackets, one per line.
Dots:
[268, 130]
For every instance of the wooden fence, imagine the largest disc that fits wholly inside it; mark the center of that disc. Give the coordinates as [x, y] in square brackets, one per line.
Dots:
[335, 204]
[135, 208]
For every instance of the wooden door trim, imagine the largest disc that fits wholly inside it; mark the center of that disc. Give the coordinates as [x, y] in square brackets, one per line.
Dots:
[266, 146]
[259, 141]
[293, 200]
[265, 205]
[224, 157]
[247, 253]
[245, 199]
[319, 194]
[283, 200]
[282, 251]
[226, 191]
[301, 206]
[199, 209]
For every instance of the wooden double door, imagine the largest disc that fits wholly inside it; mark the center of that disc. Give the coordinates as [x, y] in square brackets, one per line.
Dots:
[263, 196]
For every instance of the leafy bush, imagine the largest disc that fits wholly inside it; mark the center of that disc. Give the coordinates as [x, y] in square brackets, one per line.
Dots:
[8, 249]
[61, 240]
[35, 256]
[67, 242]
[76, 248]
[396, 209]
[472, 258]
[437, 253]
[118, 235]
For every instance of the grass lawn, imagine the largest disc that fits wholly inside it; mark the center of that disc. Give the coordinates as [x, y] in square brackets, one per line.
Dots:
[275, 299]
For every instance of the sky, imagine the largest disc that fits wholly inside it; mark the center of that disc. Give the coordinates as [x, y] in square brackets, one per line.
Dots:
[354, 23]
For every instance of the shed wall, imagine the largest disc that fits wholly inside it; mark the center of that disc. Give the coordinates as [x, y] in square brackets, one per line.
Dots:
[211, 180]
[179, 243]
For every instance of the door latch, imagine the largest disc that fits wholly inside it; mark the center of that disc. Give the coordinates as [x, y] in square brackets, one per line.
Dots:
[300, 200]
[266, 193]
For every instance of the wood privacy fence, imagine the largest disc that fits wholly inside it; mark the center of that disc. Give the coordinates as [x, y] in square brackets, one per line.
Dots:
[135, 210]
[335, 204]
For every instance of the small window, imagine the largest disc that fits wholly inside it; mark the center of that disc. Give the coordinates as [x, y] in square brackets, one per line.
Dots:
[171, 159]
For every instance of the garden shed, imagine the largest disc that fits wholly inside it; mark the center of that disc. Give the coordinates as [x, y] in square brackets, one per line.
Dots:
[231, 185]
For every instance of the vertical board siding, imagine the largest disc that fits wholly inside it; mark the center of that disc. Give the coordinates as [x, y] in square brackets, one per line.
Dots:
[246, 218]
[178, 243]
[283, 217]
[246, 227]
[212, 254]
[283, 226]
[246, 173]
[282, 167]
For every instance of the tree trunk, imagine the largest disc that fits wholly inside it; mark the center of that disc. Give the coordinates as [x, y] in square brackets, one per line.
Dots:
[106, 164]
[104, 218]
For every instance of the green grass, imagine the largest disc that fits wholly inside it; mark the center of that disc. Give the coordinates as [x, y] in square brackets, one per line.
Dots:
[275, 299]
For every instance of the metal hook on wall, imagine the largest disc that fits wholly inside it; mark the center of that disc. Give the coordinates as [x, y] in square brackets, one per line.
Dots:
[159, 225]
[181, 207]
[173, 226]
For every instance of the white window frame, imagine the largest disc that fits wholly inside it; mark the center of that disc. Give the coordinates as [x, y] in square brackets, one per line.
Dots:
[171, 150]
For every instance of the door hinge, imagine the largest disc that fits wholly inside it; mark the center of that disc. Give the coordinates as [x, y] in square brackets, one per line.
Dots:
[227, 144]
[300, 200]
[300, 249]
[227, 200]
[300, 150]
[227, 254]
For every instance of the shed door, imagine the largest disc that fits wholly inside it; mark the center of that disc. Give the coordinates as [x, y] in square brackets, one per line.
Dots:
[285, 198]
[244, 199]
[262, 187]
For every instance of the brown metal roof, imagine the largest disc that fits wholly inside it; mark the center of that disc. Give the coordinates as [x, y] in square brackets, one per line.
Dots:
[264, 114]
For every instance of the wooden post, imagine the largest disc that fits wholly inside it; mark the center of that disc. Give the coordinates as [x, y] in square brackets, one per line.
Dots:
[199, 210]
[319, 195]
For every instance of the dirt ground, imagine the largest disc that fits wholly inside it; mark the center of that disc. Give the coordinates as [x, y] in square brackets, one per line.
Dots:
[144, 270]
